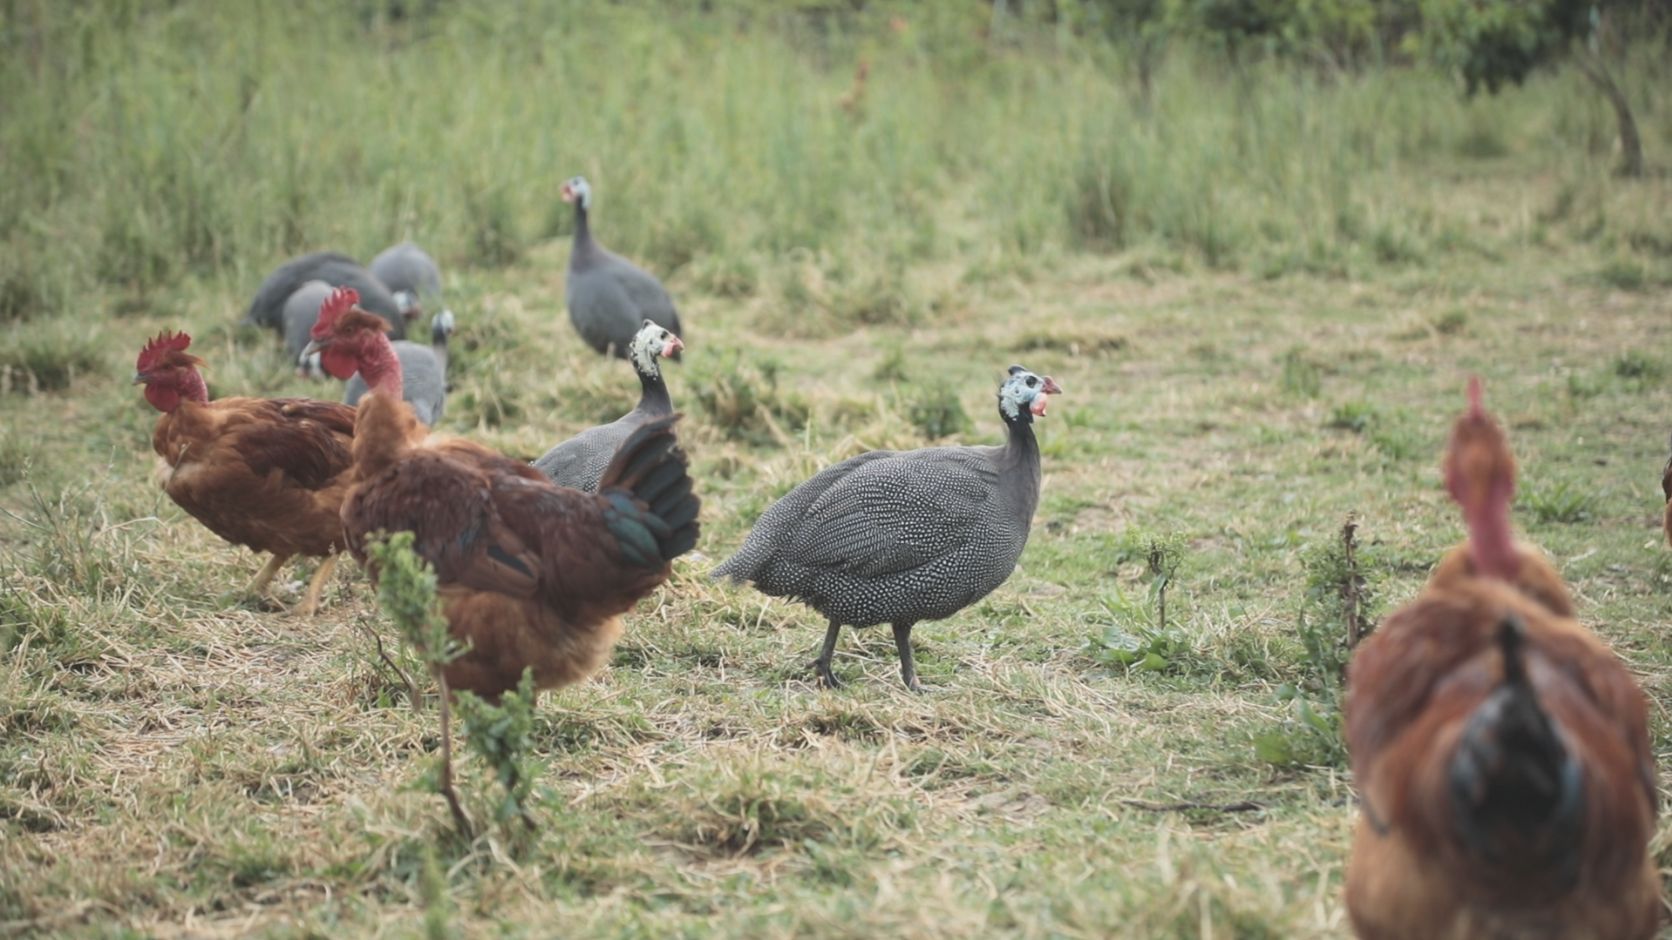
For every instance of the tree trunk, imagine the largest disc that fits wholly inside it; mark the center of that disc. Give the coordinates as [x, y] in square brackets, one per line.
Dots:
[1631, 144]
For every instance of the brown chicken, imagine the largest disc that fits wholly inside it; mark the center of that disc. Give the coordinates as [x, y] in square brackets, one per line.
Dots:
[1480, 475]
[1500, 749]
[267, 473]
[1666, 488]
[531, 574]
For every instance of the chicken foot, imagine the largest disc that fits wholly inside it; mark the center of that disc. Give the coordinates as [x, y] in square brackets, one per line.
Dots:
[316, 586]
[263, 578]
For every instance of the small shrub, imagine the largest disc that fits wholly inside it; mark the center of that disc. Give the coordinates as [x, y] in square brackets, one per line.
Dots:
[14, 460]
[494, 238]
[936, 412]
[1301, 376]
[1141, 649]
[1559, 502]
[1351, 416]
[1450, 323]
[1628, 274]
[48, 360]
[1636, 367]
[744, 402]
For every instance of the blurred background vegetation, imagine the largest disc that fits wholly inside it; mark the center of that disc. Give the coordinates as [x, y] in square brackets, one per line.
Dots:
[812, 149]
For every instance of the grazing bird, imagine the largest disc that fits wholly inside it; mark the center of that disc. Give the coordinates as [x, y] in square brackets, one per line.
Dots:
[1502, 757]
[608, 295]
[423, 372]
[530, 574]
[580, 461]
[896, 538]
[1480, 475]
[411, 275]
[1666, 488]
[337, 270]
[267, 473]
[300, 311]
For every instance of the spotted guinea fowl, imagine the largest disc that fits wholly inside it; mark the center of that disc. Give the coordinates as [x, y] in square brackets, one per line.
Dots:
[412, 275]
[608, 295]
[897, 538]
[335, 269]
[579, 461]
[423, 370]
[300, 311]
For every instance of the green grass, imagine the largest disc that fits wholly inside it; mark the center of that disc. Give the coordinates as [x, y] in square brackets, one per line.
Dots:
[1263, 297]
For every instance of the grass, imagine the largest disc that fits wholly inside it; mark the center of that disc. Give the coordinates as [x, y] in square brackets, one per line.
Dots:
[1263, 302]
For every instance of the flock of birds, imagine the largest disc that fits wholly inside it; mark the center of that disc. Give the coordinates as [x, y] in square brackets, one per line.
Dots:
[1500, 749]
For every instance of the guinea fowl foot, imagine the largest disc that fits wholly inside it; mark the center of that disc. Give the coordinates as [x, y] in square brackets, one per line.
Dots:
[826, 677]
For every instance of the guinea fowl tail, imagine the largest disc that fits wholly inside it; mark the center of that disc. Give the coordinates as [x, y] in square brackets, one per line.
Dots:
[651, 510]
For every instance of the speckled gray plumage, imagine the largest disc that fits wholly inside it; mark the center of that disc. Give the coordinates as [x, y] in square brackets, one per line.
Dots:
[337, 270]
[579, 462]
[900, 537]
[300, 312]
[411, 274]
[607, 295]
[423, 381]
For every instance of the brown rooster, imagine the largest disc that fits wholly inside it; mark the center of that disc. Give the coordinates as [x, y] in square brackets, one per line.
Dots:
[1501, 753]
[531, 574]
[268, 473]
[1480, 475]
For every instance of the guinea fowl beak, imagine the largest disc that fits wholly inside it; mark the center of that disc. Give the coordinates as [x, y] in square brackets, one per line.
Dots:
[672, 348]
[566, 193]
[1051, 386]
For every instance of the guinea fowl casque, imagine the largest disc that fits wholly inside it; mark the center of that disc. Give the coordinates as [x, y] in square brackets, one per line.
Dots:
[580, 461]
[411, 275]
[267, 473]
[531, 575]
[901, 537]
[1501, 753]
[423, 372]
[609, 296]
[335, 269]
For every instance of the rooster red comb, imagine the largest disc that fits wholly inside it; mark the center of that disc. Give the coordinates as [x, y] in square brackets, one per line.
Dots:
[158, 349]
[340, 302]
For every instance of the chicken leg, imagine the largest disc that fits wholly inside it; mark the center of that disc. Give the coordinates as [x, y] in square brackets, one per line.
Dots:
[316, 586]
[264, 577]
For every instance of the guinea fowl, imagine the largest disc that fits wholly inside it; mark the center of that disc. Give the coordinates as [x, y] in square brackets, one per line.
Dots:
[579, 461]
[900, 537]
[608, 295]
[335, 269]
[423, 372]
[300, 311]
[411, 274]
[530, 574]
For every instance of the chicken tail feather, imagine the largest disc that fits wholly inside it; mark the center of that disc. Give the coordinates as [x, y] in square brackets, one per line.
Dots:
[1516, 788]
[652, 510]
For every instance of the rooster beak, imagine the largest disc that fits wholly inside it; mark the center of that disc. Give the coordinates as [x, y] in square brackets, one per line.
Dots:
[139, 378]
[311, 349]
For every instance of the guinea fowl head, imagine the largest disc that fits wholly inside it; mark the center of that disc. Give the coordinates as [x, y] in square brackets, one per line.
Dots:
[1480, 475]
[651, 343]
[169, 373]
[577, 191]
[1023, 396]
[347, 338]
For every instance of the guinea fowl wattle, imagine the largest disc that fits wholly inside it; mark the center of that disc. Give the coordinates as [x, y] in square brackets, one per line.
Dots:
[579, 461]
[609, 296]
[901, 537]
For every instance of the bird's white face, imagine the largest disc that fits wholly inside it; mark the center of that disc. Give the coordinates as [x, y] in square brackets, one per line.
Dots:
[651, 343]
[577, 190]
[309, 367]
[1024, 389]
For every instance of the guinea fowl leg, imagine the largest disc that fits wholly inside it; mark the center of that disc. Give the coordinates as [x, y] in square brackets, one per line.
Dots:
[310, 601]
[908, 666]
[264, 577]
[825, 675]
